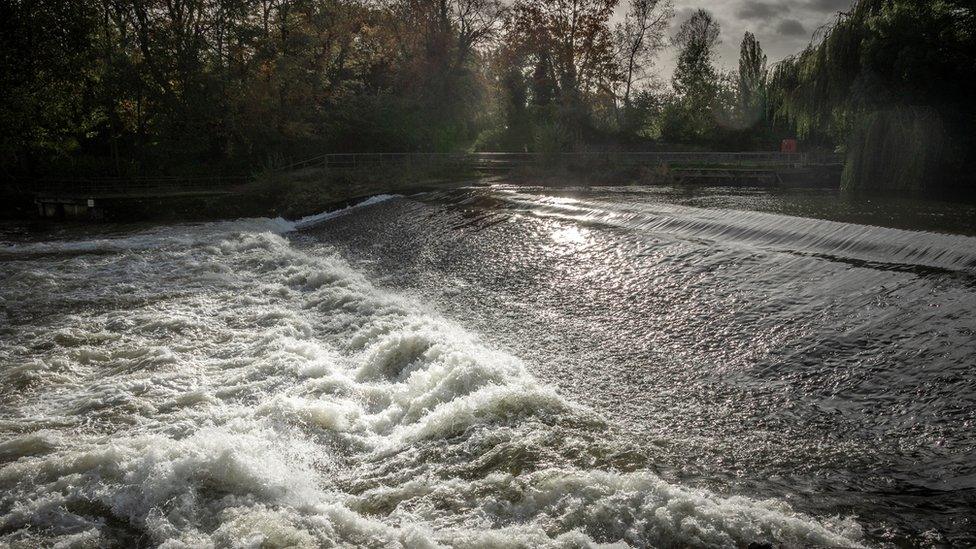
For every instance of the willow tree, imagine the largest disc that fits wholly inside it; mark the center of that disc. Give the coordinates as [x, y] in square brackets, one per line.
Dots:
[888, 81]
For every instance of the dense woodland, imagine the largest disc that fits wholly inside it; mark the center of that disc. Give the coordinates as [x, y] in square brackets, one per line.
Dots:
[120, 87]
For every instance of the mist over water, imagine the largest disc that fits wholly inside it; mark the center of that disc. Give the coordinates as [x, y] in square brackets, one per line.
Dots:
[491, 367]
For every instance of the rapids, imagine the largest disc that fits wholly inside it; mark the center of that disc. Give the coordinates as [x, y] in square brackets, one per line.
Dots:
[490, 367]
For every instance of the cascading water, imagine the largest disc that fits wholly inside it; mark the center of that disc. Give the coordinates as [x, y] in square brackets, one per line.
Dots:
[495, 367]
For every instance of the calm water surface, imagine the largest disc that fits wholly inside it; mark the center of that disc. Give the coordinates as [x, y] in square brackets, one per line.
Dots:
[498, 366]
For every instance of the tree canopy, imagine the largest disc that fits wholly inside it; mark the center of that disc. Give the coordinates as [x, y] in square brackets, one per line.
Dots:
[889, 81]
[115, 87]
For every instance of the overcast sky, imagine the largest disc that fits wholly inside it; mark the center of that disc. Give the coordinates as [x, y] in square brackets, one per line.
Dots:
[783, 27]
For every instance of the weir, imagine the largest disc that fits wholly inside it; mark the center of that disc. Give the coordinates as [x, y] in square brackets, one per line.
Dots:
[587, 362]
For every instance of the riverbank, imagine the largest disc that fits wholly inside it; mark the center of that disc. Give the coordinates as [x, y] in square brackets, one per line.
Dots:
[311, 185]
[595, 172]
[300, 192]
[289, 194]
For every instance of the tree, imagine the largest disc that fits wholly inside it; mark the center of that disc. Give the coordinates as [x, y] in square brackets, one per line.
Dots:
[437, 46]
[695, 80]
[574, 38]
[751, 80]
[478, 23]
[888, 81]
[48, 69]
[639, 38]
[565, 47]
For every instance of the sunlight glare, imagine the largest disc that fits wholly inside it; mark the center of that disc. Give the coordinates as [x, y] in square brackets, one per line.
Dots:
[570, 236]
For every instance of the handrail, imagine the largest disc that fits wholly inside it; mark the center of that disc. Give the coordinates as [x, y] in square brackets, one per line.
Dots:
[121, 185]
[371, 159]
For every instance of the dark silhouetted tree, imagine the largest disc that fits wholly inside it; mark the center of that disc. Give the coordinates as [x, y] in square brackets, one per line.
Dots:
[639, 37]
[695, 81]
[889, 81]
[751, 80]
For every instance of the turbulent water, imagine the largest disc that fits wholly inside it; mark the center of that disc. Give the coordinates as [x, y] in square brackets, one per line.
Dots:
[507, 367]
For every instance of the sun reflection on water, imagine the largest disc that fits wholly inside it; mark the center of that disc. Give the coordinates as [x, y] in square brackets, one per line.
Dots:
[570, 236]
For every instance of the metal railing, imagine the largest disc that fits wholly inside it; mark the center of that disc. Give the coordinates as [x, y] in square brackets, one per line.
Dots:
[488, 159]
[124, 185]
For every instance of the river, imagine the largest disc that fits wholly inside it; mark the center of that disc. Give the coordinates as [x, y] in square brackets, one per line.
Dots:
[503, 366]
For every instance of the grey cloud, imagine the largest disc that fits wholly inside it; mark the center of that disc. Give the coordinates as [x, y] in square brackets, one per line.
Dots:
[830, 5]
[758, 10]
[791, 27]
[681, 15]
[783, 26]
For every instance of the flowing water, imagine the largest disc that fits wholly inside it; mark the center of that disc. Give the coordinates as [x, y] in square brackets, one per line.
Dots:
[500, 366]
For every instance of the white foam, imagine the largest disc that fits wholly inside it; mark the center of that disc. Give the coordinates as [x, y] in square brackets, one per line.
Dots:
[36, 443]
[237, 410]
[312, 220]
[169, 237]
